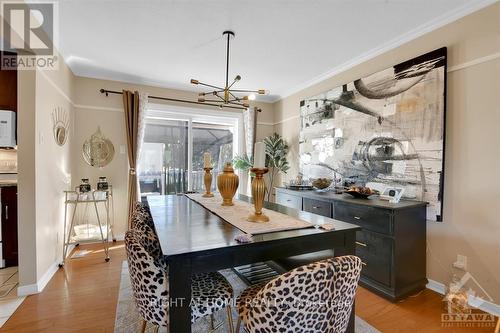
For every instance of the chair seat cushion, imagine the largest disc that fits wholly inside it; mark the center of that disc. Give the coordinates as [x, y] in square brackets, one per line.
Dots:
[210, 292]
[289, 263]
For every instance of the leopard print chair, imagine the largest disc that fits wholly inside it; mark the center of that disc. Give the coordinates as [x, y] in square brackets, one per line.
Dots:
[142, 221]
[315, 298]
[211, 292]
[141, 213]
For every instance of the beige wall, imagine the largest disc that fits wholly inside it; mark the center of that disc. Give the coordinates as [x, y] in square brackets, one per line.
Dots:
[53, 166]
[26, 183]
[471, 223]
[93, 109]
[44, 172]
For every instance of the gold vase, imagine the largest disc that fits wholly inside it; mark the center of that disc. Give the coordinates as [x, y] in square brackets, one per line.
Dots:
[208, 182]
[227, 183]
[258, 192]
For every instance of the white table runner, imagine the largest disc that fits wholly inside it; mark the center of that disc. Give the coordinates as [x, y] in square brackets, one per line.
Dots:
[237, 215]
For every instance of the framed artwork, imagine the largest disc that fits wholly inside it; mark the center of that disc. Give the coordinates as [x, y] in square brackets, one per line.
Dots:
[386, 129]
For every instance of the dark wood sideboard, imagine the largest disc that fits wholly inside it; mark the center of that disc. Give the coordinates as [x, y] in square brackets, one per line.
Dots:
[392, 243]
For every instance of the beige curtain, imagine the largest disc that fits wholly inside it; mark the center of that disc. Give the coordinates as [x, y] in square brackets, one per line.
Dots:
[131, 107]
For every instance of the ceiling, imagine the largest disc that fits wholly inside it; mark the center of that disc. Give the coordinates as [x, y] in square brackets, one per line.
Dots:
[280, 46]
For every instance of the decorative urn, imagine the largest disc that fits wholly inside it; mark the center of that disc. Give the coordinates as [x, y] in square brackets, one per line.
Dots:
[227, 183]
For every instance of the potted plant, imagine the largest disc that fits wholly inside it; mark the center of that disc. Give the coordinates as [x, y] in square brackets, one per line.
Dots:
[276, 151]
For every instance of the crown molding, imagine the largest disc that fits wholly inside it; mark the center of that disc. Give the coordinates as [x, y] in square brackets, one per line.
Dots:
[423, 29]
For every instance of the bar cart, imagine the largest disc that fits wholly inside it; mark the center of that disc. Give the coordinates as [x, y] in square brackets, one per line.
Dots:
[76, 231]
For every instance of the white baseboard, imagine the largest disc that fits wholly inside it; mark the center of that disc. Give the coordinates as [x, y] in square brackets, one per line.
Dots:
[475, 302]
[436, 286]
[36, 288]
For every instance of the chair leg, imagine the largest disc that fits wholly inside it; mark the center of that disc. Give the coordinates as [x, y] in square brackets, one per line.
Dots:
[212, 321]
[157, 328]
[143, 326]
[230, 319]
[238, 323]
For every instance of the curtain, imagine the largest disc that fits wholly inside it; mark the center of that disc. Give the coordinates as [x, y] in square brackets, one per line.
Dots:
[249, 130]
[134, 105]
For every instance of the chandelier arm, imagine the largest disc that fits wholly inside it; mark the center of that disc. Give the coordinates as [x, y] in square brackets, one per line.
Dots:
[244, 90]
[230, 93]
[209, 85]
[232, 84]
[235, 103]
[221, 98]
[212, 101]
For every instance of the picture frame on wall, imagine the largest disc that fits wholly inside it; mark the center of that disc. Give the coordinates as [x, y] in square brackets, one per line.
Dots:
[385, 129]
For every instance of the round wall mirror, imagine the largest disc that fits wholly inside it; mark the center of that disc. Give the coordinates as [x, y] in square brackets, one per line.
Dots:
[98, 151]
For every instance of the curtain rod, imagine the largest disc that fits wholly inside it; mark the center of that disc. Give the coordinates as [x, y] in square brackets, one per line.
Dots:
[107, 92]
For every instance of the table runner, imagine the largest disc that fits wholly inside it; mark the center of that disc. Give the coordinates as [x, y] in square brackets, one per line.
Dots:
[237, 215]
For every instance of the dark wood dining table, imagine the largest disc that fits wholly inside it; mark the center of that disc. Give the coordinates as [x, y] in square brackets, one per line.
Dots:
[194, 240]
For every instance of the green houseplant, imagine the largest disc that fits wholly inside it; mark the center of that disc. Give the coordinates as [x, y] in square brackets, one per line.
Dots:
[276, 151]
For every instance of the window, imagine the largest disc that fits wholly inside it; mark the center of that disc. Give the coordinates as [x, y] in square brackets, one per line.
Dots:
[171, 158]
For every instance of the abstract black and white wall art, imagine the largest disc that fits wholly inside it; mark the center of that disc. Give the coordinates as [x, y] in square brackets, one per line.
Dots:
[386, 129]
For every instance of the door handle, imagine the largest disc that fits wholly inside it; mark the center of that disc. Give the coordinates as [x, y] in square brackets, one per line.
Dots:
[316, 207]
[357, 218]
[361, 244]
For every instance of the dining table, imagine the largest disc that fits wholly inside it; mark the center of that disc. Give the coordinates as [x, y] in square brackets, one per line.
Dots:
[194, 240]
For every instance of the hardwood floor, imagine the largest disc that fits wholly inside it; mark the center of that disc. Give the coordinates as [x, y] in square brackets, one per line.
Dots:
[79, 298]
[82, 298]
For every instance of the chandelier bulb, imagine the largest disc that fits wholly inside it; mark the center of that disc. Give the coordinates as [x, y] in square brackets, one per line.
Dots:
[193, 81]
[237, 78]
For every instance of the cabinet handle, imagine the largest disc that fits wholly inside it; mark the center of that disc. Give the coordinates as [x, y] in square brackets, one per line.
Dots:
[361, 244]
[357, 218]
[364, 263]
[6, 212]
[316, 207]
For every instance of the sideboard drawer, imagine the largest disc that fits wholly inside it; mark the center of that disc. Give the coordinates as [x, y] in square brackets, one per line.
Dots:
[318, 207]
[375, 252]
[288, 200]
[369, 218]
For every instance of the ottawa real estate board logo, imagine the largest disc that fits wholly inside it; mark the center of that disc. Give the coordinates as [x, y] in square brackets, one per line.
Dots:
[461, 304]
[29, 32]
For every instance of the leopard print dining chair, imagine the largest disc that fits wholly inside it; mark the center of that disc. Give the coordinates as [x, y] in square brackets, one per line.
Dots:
[315, 298]
[141, 213]
[210, 292]
[142, 221]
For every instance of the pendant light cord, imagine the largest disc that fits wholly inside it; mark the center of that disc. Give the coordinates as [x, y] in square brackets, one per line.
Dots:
[227, 61]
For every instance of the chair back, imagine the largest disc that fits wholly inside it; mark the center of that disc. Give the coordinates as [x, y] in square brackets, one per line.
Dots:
[149, 282]
[142, 221]
[141, 213]
[317, 297]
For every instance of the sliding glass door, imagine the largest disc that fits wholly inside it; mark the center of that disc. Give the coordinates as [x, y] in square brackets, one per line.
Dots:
[163, 164]
[218, 141]
[171, 158]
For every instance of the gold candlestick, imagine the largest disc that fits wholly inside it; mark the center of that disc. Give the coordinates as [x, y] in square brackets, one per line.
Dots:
[208, 182]
[258, 192]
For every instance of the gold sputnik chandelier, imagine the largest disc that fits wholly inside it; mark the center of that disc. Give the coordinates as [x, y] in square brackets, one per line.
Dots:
[226, 96]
